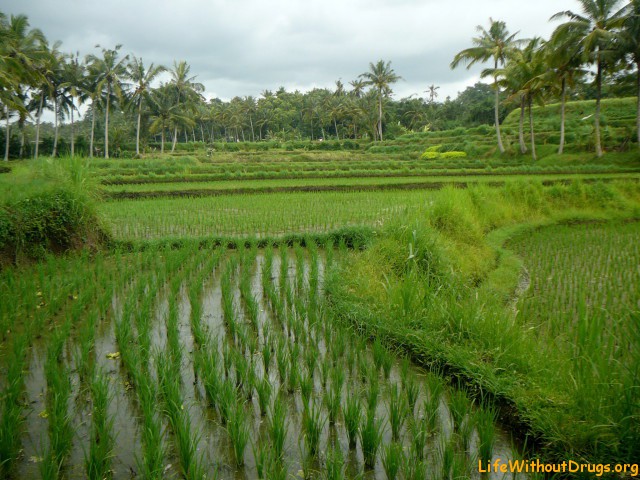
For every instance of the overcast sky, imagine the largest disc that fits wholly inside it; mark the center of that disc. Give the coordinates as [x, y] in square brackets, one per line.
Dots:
[243, 47]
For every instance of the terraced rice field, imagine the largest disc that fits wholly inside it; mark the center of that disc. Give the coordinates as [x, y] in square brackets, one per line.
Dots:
[215, 364]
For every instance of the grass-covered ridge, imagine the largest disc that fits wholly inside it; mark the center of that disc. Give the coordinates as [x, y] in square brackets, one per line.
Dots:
[47, 207]
[439, 284]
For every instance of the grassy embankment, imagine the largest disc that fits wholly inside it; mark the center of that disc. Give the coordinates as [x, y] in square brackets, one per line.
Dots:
[47, 206]
[438, 283]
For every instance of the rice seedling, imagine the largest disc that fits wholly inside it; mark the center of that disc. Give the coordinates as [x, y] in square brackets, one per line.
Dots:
[392, 459]
[267, 354]
[373, 393]
[412, 392]
[419, 435]
[415, 468]
[325, 370]
[58, 394]
[293, 378]
[459, 407]
[334, 468]
[284, 270]
[387, 364]
[262, 456]
[306, 387]
[332, 397]
[277, 426]
[282, 360]
[263, 389]
[311, 359]
[370, 437]
[486, 427]
[12, 418]
[98, 459]
[447, 457]
[191, 462]
[352, 412]
[227, 400]
[312, 425]
[238, 429]
[337, 378]
[397, 410]
[151, 464]
[364, 369]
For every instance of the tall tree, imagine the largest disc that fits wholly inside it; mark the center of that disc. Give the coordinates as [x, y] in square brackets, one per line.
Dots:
[21, 49]
[109, 71]
[142, 78]
[593, 32]
[433, 92]
[629, 41]
[564, 61]
[187, 90]
[497, 44]
[380, 76]
[74, 88]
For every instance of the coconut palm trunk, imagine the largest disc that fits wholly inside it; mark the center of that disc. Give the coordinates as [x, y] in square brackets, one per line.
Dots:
[175, 139]
[56, 129]
[497, 110]
[598, 97]
[106, 123]
[380, 116]
[22, 141]
[563, 101]
[162, 139]
[638, 111]
[138, 127]
[8, 135]
[533, 138]
[523, 146]
[93, 128]
[72, 132]
[38, 117]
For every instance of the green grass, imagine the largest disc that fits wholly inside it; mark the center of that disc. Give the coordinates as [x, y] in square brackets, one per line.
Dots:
[430, 286]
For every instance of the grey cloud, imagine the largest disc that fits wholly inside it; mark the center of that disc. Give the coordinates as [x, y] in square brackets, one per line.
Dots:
[242, 47]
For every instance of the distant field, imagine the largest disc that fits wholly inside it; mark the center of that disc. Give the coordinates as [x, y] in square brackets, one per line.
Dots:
[254, 215]
[417, 182]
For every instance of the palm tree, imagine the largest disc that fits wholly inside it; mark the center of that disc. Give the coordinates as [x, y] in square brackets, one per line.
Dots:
[74, 86]
[380, 76]
[358, 87]
[630, 45]
[187, 90]
[109, 73]
[593, 32]
[21, 50]
[433, 92]
[497, 44]
[142, 78]
[55, 79]
[250, 110]
[526, 70]
[563, 60]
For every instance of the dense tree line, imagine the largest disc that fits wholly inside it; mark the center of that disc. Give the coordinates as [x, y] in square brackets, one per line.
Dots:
[594, 53]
